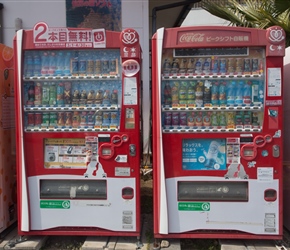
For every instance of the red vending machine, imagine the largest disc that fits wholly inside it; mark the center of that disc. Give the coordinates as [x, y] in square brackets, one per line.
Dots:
[77, 95]
[217, 132]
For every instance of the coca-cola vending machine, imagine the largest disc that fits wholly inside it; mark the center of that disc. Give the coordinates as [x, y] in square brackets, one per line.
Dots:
[77, 97]
[217, 132]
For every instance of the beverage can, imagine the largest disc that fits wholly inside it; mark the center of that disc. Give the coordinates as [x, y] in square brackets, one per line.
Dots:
[30, 119]
[37, 119]
[90, 66]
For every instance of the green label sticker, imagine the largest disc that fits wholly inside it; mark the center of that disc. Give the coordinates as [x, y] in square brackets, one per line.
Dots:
[56, 204]
[194, 206]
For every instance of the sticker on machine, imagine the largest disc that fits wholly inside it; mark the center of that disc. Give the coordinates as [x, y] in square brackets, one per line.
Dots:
[265, 174]
[204, 154]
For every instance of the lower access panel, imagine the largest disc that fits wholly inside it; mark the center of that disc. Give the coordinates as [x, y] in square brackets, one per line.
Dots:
[108, 204]
[217, 204]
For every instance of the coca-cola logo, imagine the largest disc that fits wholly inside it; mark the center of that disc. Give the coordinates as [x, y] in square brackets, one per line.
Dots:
[192, 37]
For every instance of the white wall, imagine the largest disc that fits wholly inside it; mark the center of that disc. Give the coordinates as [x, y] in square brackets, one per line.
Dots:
[135, 15]
[200, 17]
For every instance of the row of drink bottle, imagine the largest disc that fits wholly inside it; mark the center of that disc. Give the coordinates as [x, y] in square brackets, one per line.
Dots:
[214, 119]
[67, 63]
[76, 119]
[212, 93]
[61, 94]
[213, 65]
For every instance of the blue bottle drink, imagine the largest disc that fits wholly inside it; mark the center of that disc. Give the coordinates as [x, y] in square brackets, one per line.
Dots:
[231, 93]
[247, 95]
[239, 93]
[59, 64]
[66, 66]
[44, 64]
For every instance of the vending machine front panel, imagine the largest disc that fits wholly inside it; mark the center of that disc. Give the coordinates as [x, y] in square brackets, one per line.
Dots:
[217, 132]
[78, 133]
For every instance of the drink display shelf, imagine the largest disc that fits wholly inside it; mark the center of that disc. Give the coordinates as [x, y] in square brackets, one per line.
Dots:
[190, 77]
[256, 107]
[71, 78]
[186, 129]
[70, 129]
[92, 107]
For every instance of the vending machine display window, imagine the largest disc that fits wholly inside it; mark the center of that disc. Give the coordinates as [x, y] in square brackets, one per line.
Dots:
[213, 89]
[72, 90]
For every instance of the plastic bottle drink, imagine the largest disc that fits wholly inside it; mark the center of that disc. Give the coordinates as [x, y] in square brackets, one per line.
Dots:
[207, 93]
[59, 94]
[38, 93]
[191, 93]
[239, 93]
[45, 94]
[167, 94]
[199, 94]
[44, 64]
[114, 96]
[74, 64]
[82, 64]
[36, 64]
[90, 64]
[106, 97]
[52, 64]
[29, 65]
[59, 64]
[182, 95]
[66, 66]
[215, 94]
[231, 93]
[247, 95]
[222, 94]
[52, 94]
